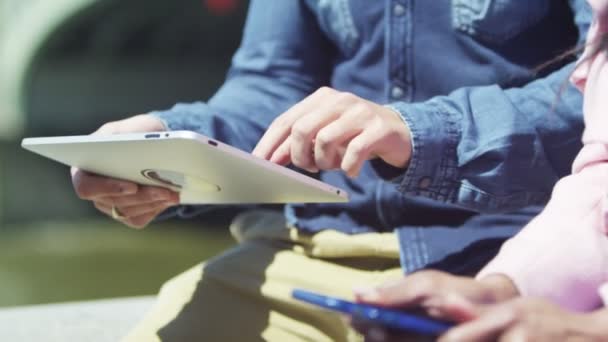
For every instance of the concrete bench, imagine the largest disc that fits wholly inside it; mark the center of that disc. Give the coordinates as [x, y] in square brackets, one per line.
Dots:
[93, 321]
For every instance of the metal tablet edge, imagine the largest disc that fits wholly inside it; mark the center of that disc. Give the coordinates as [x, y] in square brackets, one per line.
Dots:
[188, 135]
[261, 162]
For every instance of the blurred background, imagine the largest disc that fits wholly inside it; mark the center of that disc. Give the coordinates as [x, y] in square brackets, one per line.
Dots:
[66, 67]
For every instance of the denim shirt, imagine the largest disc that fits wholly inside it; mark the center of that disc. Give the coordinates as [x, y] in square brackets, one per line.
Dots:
[488, 134]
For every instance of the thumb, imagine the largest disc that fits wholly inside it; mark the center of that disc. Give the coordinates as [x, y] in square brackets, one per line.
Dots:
[137, 123]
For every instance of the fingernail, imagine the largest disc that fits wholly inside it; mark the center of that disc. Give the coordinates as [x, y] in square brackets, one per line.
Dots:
[366, 294]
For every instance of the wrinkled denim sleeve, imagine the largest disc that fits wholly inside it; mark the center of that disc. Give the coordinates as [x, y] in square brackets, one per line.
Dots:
[490, 149]
[270, 72]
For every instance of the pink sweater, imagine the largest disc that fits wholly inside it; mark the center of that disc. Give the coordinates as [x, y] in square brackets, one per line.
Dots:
[562, 254]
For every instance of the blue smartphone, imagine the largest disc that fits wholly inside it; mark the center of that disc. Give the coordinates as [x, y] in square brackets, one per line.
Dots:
[389, 318]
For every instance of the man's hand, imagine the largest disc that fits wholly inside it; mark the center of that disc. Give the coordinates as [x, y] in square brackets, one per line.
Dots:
[130, 203]
[335, 130]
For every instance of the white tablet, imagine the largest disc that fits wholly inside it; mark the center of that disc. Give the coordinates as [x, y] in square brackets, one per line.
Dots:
[201, 169]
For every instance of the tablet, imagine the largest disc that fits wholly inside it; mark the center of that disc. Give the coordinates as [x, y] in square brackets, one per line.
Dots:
[203, 170]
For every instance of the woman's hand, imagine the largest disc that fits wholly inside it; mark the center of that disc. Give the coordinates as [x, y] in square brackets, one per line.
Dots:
[336, 130]
[528, 319]
[440, 294]
[437, 294]
[127, 202]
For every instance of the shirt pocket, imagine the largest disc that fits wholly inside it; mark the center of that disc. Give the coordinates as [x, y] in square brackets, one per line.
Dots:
[497, 21]
[336, 20]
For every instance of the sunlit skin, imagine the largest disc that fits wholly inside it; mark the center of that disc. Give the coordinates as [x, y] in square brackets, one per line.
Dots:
[327, 130]
[336, 130]
[137, 204]
[530, 319]
[490, 309]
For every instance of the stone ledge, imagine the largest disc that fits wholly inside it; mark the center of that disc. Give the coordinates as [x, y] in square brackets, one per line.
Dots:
[94, 321]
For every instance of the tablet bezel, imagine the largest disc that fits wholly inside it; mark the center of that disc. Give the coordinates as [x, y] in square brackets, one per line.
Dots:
[100, 153]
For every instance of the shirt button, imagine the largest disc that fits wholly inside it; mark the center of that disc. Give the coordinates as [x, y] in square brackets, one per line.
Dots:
[398, 10]
[397, 92]
[425, 182]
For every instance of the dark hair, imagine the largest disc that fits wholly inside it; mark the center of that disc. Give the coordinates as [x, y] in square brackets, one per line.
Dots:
[600, 45]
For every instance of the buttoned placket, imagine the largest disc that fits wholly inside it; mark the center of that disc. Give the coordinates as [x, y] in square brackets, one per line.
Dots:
[397, 48]
[399, 38]
[399, 42]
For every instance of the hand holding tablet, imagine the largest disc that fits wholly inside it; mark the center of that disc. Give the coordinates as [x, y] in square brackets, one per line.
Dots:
[137, 205]
[150, 171]
[201, 169]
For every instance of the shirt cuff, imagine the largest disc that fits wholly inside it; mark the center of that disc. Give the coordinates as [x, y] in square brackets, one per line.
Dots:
[435, 130]
[185, 116]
